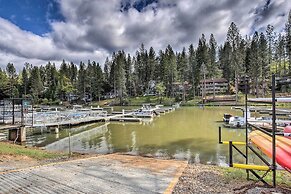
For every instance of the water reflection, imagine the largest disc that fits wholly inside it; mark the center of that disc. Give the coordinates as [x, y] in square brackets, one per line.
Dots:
[86, 141]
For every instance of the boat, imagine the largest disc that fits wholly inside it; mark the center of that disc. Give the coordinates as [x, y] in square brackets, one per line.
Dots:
[143, 113]
[226, 117]
[146, 111]
[237, 121]
[283, 147]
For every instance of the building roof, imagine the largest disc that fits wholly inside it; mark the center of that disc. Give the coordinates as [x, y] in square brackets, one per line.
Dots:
[215, 80]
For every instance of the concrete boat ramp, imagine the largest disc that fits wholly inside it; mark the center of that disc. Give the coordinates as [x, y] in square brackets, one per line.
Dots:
[113, 173]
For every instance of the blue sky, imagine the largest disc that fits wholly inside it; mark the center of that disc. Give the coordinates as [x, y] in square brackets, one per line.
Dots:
[38, 31]
[31, 15]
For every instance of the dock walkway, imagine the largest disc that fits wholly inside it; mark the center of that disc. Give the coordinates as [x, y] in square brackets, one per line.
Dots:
[74, 122]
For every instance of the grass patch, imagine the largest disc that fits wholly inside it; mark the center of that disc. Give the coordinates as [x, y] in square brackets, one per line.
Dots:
[11, 149]
[283, 178]
[138, 101]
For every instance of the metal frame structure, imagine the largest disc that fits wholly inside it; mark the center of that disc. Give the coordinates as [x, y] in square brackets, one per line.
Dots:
[233, 145]
[12, 102]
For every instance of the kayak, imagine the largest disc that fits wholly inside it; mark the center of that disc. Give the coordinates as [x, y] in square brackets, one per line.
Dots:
[283, 147]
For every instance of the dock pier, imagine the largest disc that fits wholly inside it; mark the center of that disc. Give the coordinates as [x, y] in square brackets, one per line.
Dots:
[15, 132]
[53, 121]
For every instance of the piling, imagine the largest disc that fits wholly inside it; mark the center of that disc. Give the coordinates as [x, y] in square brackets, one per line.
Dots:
[17, 134]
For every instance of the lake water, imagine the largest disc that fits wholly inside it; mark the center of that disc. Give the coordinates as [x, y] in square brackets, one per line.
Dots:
[189, 133]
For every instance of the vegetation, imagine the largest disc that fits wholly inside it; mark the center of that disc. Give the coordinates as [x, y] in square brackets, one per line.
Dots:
[283, 178]
[165, 73]
[12, 149]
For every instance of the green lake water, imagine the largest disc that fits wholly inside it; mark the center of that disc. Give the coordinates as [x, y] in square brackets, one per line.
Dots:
[189, 133]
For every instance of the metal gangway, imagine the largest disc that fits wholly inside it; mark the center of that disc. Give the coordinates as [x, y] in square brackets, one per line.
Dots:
[66, 118]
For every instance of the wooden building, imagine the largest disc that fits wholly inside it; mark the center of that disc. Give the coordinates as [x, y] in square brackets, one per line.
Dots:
[213, 86]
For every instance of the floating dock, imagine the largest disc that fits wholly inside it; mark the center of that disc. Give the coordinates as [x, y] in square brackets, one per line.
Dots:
[125, 119]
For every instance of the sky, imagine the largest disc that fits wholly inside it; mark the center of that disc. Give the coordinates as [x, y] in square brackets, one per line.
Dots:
[38, 31]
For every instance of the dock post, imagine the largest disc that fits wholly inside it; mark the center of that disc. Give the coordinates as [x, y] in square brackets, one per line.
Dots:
[70, 152]
[230, 154]
[17, 134]
[13, 112]
[246, 123]
[273, 131]
[56, 130]
[219, 135]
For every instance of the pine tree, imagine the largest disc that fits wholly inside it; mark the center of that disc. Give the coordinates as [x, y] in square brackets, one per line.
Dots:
[225, 61]
[12, 75]
[152, 63]
[97, 84]
[160, 67]
[119, 72]
[263, 62]
[64, 69]
[170, 70]
[36, 83]
[25, 80]
[270, 38]
[82, 80]
[51, 82]
[280, 55]
[107, 87]
[212, 67]
[4, 84]
[129, 76]
[183, 69]
[234, 39]
[73, 74]
[193, 68]
[201, 60]
[288, 40]
[255, 68]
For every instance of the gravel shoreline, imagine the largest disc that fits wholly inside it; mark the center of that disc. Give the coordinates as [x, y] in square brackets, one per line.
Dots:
[199, 178]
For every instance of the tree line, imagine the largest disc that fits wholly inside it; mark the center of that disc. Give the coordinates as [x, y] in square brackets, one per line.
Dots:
[149, 71]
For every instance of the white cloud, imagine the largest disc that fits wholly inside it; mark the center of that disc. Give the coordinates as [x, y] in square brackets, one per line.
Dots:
[94, 29]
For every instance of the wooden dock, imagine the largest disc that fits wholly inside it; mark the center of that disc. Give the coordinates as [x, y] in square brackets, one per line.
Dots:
[81, 121]
[125, 119]
[7, 127]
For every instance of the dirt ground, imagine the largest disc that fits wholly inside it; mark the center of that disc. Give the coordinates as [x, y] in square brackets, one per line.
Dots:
[14, 162]
[198, 178]
[8, 162]
[152, 164]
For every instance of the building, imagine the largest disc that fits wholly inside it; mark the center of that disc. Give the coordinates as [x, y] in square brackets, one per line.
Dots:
[283, 84]
[243, 84]
[180, 87]
[213, 86]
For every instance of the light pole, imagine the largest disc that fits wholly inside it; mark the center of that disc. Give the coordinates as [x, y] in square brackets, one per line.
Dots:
[204, 82]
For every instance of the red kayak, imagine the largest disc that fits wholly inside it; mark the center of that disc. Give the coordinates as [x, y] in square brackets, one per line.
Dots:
[283, 147]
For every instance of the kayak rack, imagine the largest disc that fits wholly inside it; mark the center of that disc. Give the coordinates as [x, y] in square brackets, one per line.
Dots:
[250, 168]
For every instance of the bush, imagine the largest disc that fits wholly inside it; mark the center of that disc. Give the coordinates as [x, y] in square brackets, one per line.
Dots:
[44, 101]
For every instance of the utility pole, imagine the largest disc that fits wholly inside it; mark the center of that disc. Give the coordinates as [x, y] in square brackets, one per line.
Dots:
[213, 87]
[204, 83]
[236, 86]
